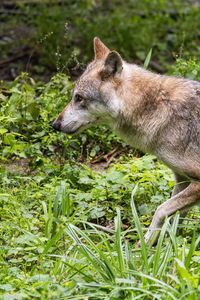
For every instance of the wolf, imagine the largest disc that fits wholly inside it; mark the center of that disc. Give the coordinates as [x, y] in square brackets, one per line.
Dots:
[154, 113]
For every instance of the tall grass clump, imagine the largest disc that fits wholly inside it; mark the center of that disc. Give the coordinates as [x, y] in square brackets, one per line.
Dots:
[112, 267]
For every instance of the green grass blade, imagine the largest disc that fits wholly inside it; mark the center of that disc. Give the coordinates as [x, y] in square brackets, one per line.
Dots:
[147, 59]
[94, 255]
[139, 230]
[172, 230]
[164, 262]
[118, 242]
[191, 250]
[158, 254]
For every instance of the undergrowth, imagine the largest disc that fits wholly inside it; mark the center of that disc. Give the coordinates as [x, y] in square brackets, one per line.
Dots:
[71, 232]
[57, 35]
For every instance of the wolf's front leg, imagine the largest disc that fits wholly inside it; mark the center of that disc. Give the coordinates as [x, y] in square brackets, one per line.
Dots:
[181, 183]
[179, 202]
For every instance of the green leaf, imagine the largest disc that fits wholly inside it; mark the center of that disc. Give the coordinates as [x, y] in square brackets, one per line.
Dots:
[186, 276]
[147, 59]
[3, 130]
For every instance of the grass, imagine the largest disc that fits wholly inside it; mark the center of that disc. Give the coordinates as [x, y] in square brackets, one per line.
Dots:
[54, 248]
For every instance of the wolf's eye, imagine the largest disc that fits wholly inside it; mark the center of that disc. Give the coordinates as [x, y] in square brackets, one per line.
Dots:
[78, 98]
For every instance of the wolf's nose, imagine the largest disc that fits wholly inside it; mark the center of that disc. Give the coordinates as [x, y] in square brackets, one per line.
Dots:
[56, 125]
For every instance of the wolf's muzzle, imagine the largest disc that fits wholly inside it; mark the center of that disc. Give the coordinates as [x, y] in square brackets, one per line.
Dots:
[57, 125]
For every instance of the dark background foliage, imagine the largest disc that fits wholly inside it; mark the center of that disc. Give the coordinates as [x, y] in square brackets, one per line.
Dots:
[42, 37]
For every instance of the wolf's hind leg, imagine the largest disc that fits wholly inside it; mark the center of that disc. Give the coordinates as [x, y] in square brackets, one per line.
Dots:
[179, 202]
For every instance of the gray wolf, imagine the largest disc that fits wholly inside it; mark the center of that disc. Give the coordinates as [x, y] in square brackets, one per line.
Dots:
[155, 113]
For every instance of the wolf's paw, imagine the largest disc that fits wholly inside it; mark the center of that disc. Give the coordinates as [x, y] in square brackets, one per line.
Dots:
[146, 240]
[150, 238]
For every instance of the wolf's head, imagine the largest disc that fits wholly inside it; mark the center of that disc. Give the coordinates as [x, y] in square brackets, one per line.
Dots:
[95, 98]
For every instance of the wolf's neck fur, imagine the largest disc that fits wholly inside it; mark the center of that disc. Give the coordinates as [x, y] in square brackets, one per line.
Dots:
[147, 100]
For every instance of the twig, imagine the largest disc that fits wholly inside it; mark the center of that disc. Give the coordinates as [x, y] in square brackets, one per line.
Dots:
[112, 158]
[104, 157]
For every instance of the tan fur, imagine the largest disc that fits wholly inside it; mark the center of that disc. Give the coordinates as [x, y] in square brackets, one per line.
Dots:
[100, 49]
[154, 113]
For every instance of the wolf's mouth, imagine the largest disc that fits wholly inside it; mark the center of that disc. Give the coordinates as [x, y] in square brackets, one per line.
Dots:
[67, 130]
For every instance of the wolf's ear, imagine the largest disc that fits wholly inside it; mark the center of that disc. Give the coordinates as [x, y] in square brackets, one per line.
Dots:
[112, 65]
[100, 50]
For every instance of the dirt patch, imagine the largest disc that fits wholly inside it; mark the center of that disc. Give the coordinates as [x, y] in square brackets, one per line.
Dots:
[18, 166]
